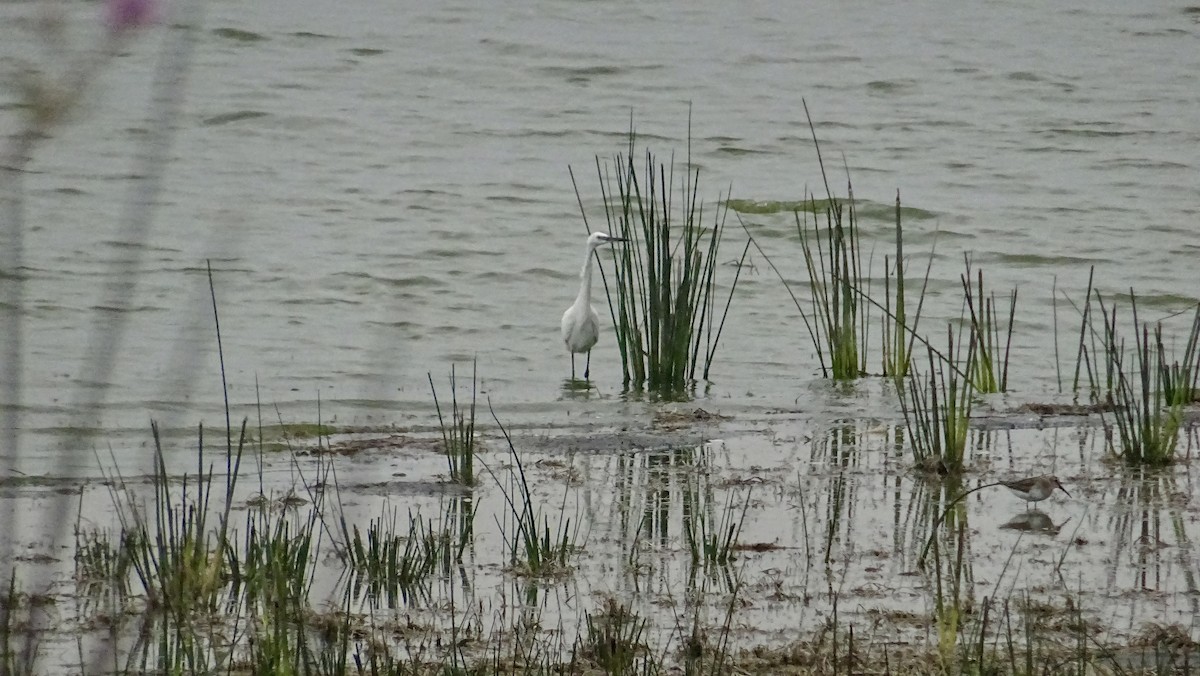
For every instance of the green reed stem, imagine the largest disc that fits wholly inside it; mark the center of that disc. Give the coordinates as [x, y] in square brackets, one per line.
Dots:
[665, 311]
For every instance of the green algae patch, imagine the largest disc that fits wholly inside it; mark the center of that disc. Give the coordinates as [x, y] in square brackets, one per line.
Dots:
[864, 209]
[878, 211]
[238, 35]
[235, 116]
[280, 437]
[776, 206]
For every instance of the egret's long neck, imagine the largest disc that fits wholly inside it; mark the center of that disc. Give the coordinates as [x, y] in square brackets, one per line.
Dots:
[585, 278]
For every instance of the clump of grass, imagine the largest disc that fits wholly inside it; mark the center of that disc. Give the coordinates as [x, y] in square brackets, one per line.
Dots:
[837, 281]
[840, 286]
[181, 549]
[180, 560]
[274, 575]
[937, 410]
[711, 537]
[101, 566]
[533, 545]
[1147, 396]
[988, 367]
[393, 567]
[665, 311]
[458, 435]
[613, 638]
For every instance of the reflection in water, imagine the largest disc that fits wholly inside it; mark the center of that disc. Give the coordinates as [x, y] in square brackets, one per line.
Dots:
[1033, 521]
[665, 501]
[838, 449]
[1150, 524]
[576, 389]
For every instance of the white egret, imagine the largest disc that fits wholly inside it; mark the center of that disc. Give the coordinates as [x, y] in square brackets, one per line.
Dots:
[581, 322]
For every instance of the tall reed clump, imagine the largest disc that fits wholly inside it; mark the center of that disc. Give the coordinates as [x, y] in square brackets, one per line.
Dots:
[988, 367]
[666, 311]
[839, 284]
[1147, 396]
[458, 434]
[837, 281]
[182, 563]
[937, 410]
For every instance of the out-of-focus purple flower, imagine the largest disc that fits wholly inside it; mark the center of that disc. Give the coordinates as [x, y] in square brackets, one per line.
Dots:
[123, 15]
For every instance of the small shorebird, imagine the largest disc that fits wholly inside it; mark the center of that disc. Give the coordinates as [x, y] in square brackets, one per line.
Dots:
[1034, 489]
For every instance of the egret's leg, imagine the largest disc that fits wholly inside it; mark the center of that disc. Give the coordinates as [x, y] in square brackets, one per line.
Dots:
[587, 370]
[572, 366]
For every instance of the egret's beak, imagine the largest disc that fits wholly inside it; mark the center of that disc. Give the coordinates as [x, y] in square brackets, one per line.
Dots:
[617, 239]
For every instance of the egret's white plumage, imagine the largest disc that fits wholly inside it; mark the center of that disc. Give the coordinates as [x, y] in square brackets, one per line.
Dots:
[581, 322]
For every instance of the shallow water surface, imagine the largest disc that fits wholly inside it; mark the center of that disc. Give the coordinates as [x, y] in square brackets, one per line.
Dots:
[830, 521]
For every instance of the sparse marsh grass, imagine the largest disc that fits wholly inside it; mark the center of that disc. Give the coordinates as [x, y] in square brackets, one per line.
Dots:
[280, 625]
[990, 343]
[712, 535]
[1146, 387]
[534, 546]
[667, 312]
[394, 567]
[102, 567]
[613, 640]
[937, 410]
[458, 434]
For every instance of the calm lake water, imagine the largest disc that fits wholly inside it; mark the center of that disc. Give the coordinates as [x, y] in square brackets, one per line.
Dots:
[383, 191]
